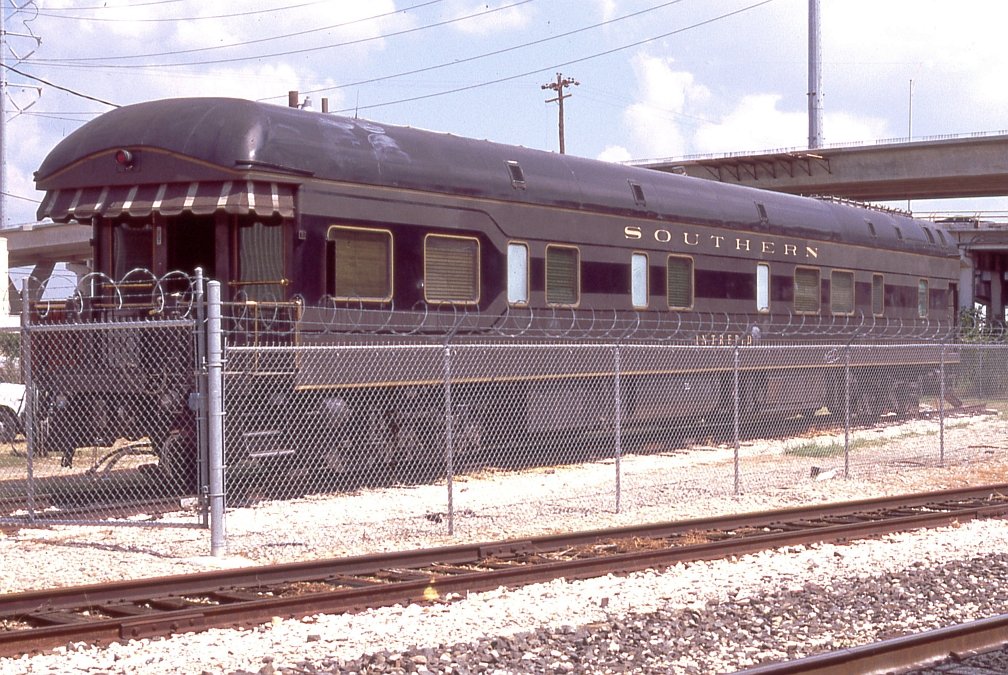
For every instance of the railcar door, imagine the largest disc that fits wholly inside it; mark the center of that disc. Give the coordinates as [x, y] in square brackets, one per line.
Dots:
[258, 283]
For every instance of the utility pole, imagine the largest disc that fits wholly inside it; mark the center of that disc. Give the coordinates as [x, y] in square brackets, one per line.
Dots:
[4, 189]
[815, 107]
[558, 86]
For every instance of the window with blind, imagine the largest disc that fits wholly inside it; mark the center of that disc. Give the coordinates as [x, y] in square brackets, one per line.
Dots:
[806, 290]
[563, 274]
[922, 298]
[132, 248]
[362, 264]
[260, 261]
[841, 292]
[451, 269]
[877, 294]
[679, 282]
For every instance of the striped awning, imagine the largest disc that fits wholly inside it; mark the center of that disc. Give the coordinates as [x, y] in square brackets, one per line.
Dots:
[169, 199]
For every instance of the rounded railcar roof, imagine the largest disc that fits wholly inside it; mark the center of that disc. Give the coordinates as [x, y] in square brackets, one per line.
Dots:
[244, 137]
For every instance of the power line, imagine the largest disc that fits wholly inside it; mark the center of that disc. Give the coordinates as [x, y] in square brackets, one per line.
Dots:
[79, 62]
[245, 43]
[14, 196]
[496, 52]
[557, 65]
[179, 19]
[132, 4]
[60, 87]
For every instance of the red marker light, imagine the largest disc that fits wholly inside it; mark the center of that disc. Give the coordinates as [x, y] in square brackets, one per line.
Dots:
[124, 158]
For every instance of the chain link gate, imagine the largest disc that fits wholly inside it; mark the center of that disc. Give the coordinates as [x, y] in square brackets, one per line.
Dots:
[109, 423]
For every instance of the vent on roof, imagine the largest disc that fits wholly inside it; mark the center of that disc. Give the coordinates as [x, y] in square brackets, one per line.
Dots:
[761, 210]
[517, 175]
[638, 193]
[871, 227]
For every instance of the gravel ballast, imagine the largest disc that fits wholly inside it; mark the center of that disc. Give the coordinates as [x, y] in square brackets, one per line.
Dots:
[692, 618]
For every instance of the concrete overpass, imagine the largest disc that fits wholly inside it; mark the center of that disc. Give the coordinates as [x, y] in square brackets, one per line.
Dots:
[933, 168]
[40, 246]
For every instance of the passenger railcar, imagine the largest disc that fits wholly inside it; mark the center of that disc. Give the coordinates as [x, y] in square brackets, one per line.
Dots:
[285, 205]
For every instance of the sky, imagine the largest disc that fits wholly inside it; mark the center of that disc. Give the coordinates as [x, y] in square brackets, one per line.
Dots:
[655, 78]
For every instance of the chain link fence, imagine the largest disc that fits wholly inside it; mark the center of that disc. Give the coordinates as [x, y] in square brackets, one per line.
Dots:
[594, 414]
[95, 405]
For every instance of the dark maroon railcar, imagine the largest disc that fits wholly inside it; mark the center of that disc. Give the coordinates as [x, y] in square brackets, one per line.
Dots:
[281, 204]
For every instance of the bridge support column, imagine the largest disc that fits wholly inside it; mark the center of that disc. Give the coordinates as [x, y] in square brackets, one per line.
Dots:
[996, 310]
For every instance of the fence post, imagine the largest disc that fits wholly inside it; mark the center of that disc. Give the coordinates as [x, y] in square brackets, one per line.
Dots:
[202, 449]
[618, 422]
[735, 394]
[941, 409]
[30, 399]
[215, 419]
[847, 410]
[449, 433]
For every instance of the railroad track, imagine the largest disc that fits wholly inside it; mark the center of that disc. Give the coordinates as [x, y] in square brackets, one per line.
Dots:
[103, 613]
[904, 652]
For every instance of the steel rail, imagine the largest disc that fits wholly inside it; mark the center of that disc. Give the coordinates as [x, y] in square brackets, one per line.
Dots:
[897, 654]
[229, 597]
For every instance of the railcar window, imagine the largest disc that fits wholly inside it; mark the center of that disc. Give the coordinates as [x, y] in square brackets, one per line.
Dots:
[638, 193]
[878, 294]
[451, 269]
[260, 262]
[806, 290]
[639, 280]
[133, 248]
[762, 287]
[930, 237]
[563, 275]
[922, 298]
[516, 173]
[841, 292]
[679, 282]
[518, 274]
[362, 264]
[942, 238]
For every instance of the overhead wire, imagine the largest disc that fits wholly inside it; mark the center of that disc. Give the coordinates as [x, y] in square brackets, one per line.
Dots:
[188, 18]
[555, 66]
[14, 196]
[496, 52]
[242, 43]
[105, 6]
[60, 87]
[79, 63]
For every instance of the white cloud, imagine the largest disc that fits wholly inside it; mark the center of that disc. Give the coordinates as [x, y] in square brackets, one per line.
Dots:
[756, 123]
[607, 9]
[615, 153]
[666, 95]
[489, 22]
